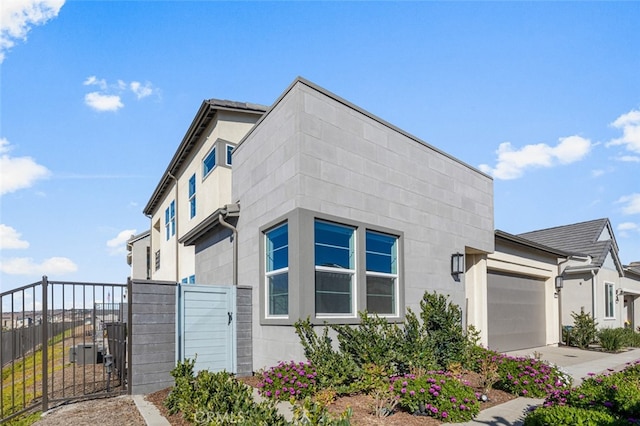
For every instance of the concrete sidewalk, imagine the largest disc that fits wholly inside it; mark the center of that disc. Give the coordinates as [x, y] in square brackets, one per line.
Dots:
[576, 362]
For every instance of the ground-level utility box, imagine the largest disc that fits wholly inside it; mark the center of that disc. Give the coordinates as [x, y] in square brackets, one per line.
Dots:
[85, 354]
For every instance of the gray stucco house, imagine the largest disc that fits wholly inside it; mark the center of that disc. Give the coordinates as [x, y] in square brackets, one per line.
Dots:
[334, 211]
[594, 279]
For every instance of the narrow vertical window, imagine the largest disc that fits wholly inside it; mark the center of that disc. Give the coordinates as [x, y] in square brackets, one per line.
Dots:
[277, 271]
[229, 152]
[382, 273]
[609, 300]
[209, 163]
[192, 196]
[170, 220]
[334, 252]
[157, 260]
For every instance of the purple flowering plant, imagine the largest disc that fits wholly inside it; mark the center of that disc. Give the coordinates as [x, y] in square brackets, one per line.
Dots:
[288, 379]
[436, 394]
[530, 377]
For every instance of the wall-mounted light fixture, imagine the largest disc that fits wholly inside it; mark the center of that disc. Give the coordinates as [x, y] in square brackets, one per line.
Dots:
[559, 282]
[457, 264]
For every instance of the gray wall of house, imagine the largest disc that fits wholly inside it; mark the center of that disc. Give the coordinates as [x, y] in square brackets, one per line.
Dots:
[214, 258]
[153, 335]
[318, 153]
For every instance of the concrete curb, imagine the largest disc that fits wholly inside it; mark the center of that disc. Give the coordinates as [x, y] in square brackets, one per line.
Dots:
[149, 412]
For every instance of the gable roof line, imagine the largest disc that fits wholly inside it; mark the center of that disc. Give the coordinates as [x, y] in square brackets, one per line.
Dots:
[200, 122]
[519, 240]
[302, 80]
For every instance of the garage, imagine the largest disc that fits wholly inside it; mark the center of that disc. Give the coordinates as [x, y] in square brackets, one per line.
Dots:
[515, 311]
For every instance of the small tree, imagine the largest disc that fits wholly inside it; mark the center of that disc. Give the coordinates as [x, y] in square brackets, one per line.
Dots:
[584, 329]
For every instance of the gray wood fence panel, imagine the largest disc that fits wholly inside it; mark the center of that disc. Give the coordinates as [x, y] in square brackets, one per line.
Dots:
[153, 331]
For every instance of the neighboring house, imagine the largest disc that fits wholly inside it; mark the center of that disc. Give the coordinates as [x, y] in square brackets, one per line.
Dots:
[513, 302]
[594, 279]
[332, 211]
[195, 184]
[139, 256]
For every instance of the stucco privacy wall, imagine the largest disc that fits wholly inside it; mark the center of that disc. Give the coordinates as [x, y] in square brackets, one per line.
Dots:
[315, 151]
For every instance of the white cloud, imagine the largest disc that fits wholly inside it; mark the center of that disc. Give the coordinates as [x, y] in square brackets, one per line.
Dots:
[117, 245]
[26, 266]
[109, 97]
[141, 91]
[18, 16]
[597, 173]
[94, 81]
[629, 123]
[629, 158]
[101, 102]
[18, 172]
[625, 228]
[511, 163]
[632, 203]
[10, 238]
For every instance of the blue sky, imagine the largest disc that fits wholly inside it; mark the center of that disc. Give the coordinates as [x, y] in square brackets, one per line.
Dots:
[96, 96]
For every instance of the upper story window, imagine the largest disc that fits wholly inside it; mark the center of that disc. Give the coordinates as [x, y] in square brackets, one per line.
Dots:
[209, 162]
[229, 152]
[334, 253]
[382, 273]
[609, 301]
[170, 220]
[192, 196]
[277, 271]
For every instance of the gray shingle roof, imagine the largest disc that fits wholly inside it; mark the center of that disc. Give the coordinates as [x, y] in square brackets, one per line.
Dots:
[577, 238]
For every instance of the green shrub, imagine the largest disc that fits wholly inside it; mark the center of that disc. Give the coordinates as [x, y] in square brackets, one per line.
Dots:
[584, 329]
[374, 341]
[442, 324]
[288, 380]
[612, 339]
[631, 338]
[217, 398]
[616, 393]
[560, 415]
[334, 369]
[312, 413]
[436, 394]
[530, 377]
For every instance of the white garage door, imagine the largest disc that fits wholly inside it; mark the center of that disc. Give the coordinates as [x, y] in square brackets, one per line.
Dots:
[207, 326]
[516, 312]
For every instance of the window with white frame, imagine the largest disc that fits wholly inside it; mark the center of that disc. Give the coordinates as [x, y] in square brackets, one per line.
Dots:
[192, 196]
[170, 220]
[229, 152]
[382, 273]
[609, 300]
[277, 271]
[209, 163]
[334, 253]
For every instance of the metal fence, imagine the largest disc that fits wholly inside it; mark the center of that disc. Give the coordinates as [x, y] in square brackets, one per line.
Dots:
[62, 341]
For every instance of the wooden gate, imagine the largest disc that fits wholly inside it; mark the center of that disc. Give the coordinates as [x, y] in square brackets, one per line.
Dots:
[206, 327]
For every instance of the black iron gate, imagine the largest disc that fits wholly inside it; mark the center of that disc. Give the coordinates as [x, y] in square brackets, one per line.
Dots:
[63, 341]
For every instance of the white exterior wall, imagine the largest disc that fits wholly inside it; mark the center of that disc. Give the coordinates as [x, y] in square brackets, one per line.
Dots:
[212, 192]
[317, 153]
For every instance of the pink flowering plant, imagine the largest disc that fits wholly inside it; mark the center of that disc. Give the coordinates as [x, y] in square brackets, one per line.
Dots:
[530, 377]
[288, 380]
[436, 394]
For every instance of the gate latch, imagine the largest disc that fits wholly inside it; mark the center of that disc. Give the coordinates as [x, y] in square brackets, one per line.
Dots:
[230, 317]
